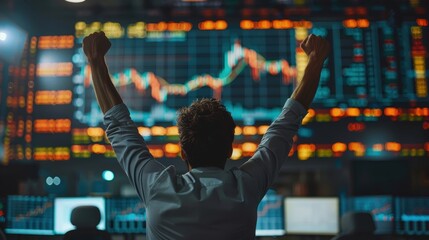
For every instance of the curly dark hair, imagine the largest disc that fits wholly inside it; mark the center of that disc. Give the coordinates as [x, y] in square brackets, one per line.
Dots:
[206, 132]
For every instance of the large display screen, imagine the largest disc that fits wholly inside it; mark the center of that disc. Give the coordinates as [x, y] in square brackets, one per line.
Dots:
[373, 91]
[312, 216]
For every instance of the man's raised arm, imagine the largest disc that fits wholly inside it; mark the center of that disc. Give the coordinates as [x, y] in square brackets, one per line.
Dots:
[95, 47]
[129, 146]
[317, 50]
[278, 140]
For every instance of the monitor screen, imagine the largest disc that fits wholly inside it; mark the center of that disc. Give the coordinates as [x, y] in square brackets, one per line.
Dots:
[64, 207]
[125, 215]
[29, 215]
[380, 208]
[312, 215]
[270, 220]
[412, 216]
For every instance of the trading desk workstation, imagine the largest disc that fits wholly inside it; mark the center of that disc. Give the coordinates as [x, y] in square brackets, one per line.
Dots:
[277, 216]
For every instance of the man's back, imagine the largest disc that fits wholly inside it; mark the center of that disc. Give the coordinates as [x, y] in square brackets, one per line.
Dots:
[205, 203]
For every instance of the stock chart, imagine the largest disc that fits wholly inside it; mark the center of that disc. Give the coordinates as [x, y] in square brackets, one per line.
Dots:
[30, 215]
[125, 215]
[374, 81]
[412, 216]
[380, 207]
[270, 220]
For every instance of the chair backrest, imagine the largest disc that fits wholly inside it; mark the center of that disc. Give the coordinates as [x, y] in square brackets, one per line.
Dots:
[356, 226]
[357, 223]
[86, 219]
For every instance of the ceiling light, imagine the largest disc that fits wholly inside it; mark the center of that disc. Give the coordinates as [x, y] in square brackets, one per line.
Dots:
[75, 1]
[108, 175]
[3, 36]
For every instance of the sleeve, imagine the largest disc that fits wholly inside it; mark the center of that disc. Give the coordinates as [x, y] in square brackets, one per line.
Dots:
[275, 145]
[131, 150]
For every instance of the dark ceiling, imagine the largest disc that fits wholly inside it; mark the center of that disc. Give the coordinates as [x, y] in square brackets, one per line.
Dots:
[34, 15]
[133, 7]
[141, 6]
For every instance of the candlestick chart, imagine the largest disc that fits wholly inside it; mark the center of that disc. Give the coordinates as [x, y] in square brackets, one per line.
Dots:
[149, 93]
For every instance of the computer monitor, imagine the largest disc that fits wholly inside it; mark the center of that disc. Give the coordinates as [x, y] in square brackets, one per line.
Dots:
[380, 207]
[412, 215]
[29, 215]
[125, 215]
[312, 216]
[64, 207]
[270, 220]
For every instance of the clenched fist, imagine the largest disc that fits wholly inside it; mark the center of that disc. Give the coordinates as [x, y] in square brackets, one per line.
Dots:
[96, 45]
[316, 46]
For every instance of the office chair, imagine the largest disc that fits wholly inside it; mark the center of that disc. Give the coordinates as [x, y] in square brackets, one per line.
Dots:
[86, 219]
[356, 226]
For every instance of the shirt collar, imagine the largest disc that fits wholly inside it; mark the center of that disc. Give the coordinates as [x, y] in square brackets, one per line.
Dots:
[206, 169]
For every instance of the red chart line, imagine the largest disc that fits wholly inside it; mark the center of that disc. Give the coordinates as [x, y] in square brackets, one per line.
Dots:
[267, 207]
[235, 60]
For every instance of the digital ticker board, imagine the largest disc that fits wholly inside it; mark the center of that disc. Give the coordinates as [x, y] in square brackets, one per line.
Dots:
[372, 100]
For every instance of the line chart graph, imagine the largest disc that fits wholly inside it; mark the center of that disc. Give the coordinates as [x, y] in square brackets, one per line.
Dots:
[270, 216]
[381, 208]
[156, 79]
[30, 215]
[235, 61]
[270, 204]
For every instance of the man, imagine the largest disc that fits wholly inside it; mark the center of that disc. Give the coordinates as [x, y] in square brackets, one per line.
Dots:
[207, 202]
